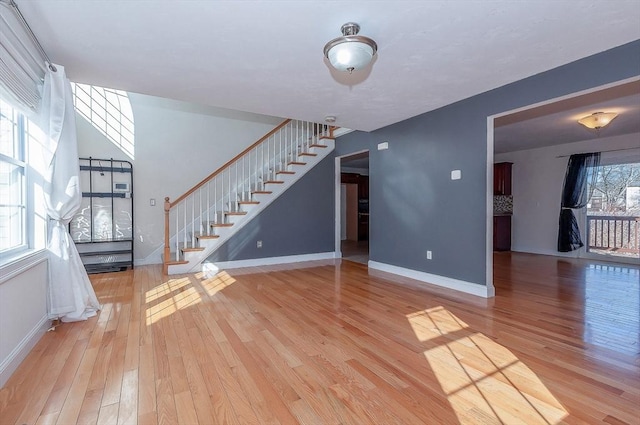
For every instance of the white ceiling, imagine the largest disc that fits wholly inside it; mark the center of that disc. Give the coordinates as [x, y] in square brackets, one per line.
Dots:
[557, 123]
[266, 56]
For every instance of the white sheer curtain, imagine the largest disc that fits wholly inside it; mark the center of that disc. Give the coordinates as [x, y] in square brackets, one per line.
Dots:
[71, 296]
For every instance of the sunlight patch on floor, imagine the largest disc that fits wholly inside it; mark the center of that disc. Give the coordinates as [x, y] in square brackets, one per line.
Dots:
[181, 294]
[165, 289]
[433, 323]
[217, 283]
[483, 381]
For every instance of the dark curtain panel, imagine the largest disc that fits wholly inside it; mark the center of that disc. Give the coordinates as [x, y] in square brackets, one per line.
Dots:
[582, 170]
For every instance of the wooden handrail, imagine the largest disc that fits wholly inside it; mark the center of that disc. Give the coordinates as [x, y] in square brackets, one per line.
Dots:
[228, 163]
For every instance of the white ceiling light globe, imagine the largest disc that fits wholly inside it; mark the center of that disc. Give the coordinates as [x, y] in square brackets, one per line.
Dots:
[351, 51]
[350, 56]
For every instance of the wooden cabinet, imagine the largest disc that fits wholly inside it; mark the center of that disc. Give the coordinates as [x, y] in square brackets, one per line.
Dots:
[502, 233]
[363, 187]
[502, 178]
[502, 222]
[362, 183]
[348, 178]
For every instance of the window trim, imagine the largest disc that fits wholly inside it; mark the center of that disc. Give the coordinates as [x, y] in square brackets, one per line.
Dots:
[17, 252]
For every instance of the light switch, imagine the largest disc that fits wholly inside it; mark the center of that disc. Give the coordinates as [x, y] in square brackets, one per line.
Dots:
[456, 175]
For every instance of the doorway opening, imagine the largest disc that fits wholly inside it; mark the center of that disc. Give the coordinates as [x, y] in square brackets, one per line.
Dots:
[352, 207]
[534, 143]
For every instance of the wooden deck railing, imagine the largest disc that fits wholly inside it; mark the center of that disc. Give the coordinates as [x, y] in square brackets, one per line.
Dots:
[617, 234]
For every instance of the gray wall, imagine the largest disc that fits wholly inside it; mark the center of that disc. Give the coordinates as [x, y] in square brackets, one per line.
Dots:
[414, 204]
[300, 221]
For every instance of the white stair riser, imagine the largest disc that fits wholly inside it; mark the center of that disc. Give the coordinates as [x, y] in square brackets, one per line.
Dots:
[234, 218]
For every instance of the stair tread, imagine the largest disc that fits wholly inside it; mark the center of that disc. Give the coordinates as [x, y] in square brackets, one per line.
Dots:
[317, 145]
[199, 236]
[248, 202]
[274, 182]
[326, 138]
[286, 172]
[308, 154]
[235, 213]
[297, 163]
[220, 224]
[262, 192]
[191, 249]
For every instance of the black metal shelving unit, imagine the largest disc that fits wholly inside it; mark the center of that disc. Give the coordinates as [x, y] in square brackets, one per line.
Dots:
[103, 228]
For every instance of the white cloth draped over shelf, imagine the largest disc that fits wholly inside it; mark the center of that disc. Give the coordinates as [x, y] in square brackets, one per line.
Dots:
[71, 296]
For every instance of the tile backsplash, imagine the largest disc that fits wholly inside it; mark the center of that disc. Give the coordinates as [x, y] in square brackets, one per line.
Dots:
[503, 204]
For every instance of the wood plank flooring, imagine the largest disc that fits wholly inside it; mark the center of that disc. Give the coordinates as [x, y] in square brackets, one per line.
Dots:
[325, 343]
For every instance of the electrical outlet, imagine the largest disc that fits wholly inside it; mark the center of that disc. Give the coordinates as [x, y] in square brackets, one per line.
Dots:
[259, 244]
[152, 202]
[429, 255]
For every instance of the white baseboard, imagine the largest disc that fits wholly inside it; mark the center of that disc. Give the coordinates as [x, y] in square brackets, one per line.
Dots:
[551, 252]
[13, 360]
[434, 279]
[271, 260]
[154, 258]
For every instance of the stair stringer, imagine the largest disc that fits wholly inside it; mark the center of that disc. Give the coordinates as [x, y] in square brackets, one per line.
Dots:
[195, 259]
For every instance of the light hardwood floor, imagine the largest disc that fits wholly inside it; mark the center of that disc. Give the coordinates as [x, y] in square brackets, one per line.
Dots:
[334, 344]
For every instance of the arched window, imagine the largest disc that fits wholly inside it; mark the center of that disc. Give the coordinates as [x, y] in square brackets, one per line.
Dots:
[109, 111]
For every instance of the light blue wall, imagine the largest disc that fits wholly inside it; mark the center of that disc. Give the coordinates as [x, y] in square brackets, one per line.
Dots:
[414, 204]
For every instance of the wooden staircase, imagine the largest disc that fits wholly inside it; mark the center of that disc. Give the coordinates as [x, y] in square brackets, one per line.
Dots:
[205, 217]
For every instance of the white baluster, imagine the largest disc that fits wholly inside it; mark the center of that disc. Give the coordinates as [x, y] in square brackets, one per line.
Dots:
[177, 232]
[193, 218]
[215, 204]
[208, 207]
[280, 150]
[242, 188]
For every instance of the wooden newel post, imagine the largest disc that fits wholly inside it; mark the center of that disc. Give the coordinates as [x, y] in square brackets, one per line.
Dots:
[167, 249]
[331, 128]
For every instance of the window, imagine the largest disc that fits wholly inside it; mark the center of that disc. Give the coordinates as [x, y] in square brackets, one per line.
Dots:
[109, 111]
[13, 206]
[23, 217]
[613, 212]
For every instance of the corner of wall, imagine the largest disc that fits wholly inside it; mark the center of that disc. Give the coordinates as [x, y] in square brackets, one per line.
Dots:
[20, 352]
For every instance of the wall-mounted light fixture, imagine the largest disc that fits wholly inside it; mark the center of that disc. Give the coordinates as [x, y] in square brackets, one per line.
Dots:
[350, 52]
[597, 120]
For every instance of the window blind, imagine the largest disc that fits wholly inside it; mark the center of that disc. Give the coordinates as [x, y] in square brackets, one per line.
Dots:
[22, 67]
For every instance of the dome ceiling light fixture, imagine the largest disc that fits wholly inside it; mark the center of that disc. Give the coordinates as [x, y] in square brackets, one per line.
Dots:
[597, 120]
[351, 52]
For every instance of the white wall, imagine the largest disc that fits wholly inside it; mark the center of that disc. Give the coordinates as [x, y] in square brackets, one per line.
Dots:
[177, 144]
[538, 175]
[24, 277]
[23, 310]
